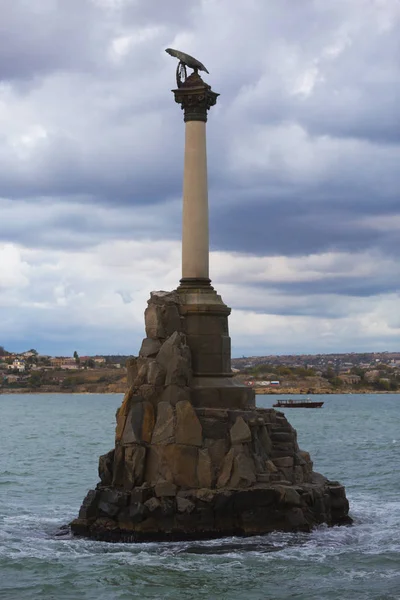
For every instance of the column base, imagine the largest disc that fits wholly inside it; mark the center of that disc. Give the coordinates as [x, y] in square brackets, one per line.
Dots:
[190, 283]
[206, 327]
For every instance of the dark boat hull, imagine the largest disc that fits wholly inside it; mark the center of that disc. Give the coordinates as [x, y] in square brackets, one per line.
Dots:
[294, 404]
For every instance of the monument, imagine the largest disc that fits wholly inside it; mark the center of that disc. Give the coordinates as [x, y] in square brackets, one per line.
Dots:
[193, 457]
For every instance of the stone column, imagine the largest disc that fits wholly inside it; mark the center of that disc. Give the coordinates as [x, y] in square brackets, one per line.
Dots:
[205, 314]
[195, 238]
[195, 98]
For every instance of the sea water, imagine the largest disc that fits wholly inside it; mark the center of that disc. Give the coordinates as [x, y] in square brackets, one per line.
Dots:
[49, 449]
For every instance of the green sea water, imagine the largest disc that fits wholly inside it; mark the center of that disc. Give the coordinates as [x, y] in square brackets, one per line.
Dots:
[49, 448]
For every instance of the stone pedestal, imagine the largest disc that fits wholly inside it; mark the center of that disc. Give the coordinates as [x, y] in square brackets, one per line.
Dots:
[194, 458]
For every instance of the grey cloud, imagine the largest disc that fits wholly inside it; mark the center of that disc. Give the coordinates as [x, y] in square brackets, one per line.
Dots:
[291, 172]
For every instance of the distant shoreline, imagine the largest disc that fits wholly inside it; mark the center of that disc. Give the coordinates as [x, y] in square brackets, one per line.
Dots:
[258, 392]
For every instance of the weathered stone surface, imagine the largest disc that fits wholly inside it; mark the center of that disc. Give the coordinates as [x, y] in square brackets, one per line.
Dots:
[151, 393]
[165, 488]
[118, 468]
[188, 428]
[270, 467]
[139, 495]
[283, 462]
[137, 512]
[175, 393]
[213, 428]
[150, 347]
[178, 371]
[184, 505]
[141, 378]
[134, 466]
[113, 496]
[89, 506]
[181, 461]
[131, 371]
[265, 439]
[153, 467]
[204, 469]
[154, 322]
[106, 465]
[217, 450]
[163, 298]
[148, 421]
[155, 373]
[243, 474]
[164, 429]
[153, 504]
[139, 423]
[172, 319]
[240, 432]
[171, 348]
[288, 495]
[226, 469]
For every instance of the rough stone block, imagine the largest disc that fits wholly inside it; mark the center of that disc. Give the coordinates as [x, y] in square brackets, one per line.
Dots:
[217, 450]
[106, 464]
[164, 430]
[226, 469]
[155, 373]
[270, 467]
[89, 505]
[172, 319]
[153, 504]
[181, 461]
[133, 425]
[135, 461]
[149, 348]
[204, 469]
[141, 494]
[151, 393]
[240, 432]
[214, 428]
[170, 348]
[188, 428]
[243, 474]
[131, 371]
[137, 512]
[118, 468]
[175, 393]
[283, 462]
[114, 496]
[148, 422]
[153, 468]
[108, 509]
[178, 371]
[184, 505]
[154, 322]
[165, 488]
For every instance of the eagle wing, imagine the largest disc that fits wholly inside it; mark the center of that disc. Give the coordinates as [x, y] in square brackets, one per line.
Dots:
[188, 60]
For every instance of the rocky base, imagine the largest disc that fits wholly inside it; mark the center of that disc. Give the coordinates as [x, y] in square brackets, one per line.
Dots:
[162, 513]
[194, 458]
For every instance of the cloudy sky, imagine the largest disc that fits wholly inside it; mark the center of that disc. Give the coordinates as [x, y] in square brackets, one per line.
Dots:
[304, 170]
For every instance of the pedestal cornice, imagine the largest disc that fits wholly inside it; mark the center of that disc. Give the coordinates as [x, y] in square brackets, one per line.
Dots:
[195, 97]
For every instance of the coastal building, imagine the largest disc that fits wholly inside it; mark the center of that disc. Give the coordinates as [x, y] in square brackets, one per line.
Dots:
[17, 365]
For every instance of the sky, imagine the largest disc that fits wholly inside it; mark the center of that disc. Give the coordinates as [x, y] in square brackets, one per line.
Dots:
[303, 158]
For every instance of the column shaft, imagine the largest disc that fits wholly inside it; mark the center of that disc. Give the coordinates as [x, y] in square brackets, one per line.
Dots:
[195, 235]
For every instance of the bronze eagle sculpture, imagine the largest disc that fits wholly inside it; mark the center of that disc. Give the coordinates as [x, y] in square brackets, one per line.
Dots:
[187, 60]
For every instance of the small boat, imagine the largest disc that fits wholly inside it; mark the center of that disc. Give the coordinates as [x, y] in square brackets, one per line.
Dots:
[306, 403]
